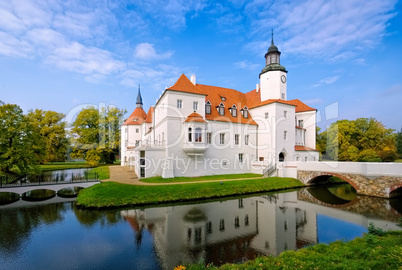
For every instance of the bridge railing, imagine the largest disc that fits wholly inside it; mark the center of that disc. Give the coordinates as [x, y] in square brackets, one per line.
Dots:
[41, 179]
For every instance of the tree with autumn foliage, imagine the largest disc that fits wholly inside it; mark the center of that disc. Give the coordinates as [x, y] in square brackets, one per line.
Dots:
[363, 139]
[96, 134]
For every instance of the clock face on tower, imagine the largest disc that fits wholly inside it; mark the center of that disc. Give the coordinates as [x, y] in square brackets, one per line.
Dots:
[283, 78]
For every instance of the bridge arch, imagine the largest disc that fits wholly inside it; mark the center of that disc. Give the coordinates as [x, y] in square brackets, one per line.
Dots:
[395, 190]
[318, 177]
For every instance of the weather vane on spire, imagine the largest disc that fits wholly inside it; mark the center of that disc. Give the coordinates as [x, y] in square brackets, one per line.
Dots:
[272, 37]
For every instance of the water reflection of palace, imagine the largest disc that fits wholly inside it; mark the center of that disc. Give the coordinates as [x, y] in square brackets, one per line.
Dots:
[227, 231]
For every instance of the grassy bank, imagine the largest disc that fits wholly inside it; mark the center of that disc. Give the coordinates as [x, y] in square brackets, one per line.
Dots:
[111, 194]
[63, 166]
[368, 252]
[103, 172]
[159, 179]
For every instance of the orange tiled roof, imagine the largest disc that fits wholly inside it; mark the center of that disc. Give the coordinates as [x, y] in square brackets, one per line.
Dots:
[195, 117]
[150, 114]
[300, 106]
[137, 117]
[254, 100]
[214, 95]
[231, 97]
[303, 148]
[183, 84]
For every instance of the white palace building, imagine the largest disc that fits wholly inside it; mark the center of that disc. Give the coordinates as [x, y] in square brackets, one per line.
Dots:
[196, 129]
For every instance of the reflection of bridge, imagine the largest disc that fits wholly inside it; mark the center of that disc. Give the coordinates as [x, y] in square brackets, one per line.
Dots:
[51, 186]
[373, 179]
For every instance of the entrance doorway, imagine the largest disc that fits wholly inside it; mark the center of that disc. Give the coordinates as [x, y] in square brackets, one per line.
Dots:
[281, 157]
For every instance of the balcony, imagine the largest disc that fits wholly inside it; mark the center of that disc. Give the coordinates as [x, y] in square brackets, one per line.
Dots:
[193, 149]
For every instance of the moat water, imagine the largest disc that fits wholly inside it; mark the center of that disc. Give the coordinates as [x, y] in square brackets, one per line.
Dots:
[43, 235]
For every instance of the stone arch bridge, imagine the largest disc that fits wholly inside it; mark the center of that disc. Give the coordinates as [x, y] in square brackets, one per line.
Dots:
[368, 178]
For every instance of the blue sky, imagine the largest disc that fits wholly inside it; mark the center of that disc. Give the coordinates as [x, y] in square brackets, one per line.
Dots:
[344, 57]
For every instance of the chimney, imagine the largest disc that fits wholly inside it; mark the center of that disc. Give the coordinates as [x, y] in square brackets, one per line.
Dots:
[257, 87]
[192, 79]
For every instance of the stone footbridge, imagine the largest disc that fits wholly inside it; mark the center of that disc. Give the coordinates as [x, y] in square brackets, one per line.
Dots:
[51, 186]
[368, 178]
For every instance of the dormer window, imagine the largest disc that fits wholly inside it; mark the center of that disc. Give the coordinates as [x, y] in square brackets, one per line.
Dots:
[223, 98]
[221, 109]
[208, 107]
[245, 112]
[233, 110]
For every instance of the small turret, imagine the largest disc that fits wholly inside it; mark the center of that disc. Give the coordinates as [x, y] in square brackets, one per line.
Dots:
[139, 98]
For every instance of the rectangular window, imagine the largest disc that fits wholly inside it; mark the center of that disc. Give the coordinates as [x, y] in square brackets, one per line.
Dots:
[266, 115]
[222, 138]
[209, 137]
[142, 171]
[285, 114]
[246, 139]
[142, 154]
[305, 159]
[237, 222]
[198, 236]
[179, 103]
[285, 133]
[208, 108]
[137, 130]
[195, 105]
[245, 113]
[222, 225]
[240, 157]
[246, 220]
[240, 203]
[221, 110]
[209, 227]
[300, 123]
[237, 139]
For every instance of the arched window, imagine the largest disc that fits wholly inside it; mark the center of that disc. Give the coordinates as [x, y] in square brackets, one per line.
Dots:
[190, 134]
[198, 135]
[208, 107]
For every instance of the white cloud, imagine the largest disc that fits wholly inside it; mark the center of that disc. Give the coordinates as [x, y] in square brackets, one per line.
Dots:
[322, 28]
[326, 81]
[146, 51]
[246, 65]
[86, 60]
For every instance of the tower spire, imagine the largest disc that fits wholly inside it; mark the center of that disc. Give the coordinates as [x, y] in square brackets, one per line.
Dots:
[272, 37]
[139, 98]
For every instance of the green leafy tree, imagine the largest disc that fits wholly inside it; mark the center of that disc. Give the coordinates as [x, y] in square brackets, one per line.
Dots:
[20, 144]
[399, 143]
[50, 126]
[96, 135]
[364, 139]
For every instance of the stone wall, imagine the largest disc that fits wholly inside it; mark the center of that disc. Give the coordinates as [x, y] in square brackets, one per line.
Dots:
[381, 186]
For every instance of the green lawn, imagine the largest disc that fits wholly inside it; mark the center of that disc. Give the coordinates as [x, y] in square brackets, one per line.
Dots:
[368, 252]
[103, 172]
[63, 166]
[159, 179]
[111, 194]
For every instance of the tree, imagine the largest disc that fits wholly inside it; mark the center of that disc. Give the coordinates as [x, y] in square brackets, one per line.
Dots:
[96, 134]
[364, 139]
[50, 126]
[399, 143]
[20, 145]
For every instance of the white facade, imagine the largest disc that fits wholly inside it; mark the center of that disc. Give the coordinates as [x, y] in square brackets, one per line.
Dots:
[197, 129]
